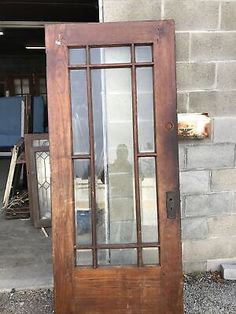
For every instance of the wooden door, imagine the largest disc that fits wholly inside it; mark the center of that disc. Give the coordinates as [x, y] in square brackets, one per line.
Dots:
[114, 162]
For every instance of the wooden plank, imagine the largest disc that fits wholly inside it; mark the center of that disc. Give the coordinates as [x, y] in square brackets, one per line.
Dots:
[15, 152]
[167, 166]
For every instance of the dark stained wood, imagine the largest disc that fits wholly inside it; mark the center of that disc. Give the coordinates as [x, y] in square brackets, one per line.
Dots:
[111, 65]
[30, 151]
[118, 291]
[61, 172]
[134, 290]
[167, 166]
[119, 246]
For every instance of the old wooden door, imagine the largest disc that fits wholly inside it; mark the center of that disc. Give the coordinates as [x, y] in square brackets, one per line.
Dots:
[115, 189]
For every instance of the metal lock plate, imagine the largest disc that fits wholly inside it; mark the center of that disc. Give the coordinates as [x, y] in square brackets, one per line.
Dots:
[172, 203]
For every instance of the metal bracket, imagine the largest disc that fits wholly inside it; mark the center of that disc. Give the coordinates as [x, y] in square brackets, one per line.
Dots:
[172, 203]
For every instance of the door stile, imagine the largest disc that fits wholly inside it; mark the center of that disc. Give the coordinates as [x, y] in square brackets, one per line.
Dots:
[60, 154]
[168, 170]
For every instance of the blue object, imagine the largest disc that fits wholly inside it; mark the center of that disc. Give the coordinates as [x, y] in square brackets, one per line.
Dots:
[10, 120]
[38, 114]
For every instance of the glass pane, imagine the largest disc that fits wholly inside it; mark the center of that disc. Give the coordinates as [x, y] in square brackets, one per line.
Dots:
[110, 55]
[37, 143]
[17, 85]
[143, 53]
[42, 86]
[77, 56]
[43, 179]
[79, 104]
[148, 199]
[117, 257]
[82, 201]
[84, 258]
[151, 256]
[145, 109]
[25, 86]
[113, 129]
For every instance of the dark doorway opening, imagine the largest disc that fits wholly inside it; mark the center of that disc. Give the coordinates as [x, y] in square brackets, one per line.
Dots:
[27, 262]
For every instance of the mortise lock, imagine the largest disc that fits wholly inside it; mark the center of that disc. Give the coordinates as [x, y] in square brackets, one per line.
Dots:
[172, 203]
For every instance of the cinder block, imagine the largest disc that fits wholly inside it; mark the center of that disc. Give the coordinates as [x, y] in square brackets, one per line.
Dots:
[181, 156]
[191, 267]
[228, 14]
[182, 46]
[226, 74]
[229, 271]
[223, 180]
[213, 46]
[193, 15]
[200, 250]
[224, 130]
[216, 103]
[194, 228]
[194, 76]
[222, 225]
[130, 10]
[208, 204]
[182, 102]
[210, 156]
[194, 182]
[215, 264]
[234, 203]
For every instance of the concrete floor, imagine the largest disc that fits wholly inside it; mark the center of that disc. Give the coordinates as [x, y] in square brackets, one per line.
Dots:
[25, 252]
[25, 259]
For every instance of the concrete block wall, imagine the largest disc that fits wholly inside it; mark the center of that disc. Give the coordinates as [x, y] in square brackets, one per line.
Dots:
[206, 82]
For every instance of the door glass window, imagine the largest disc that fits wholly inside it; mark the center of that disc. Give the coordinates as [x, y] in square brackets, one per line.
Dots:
[82, 201]
[144, 79]
[114, 156]
[77, 56]
[148, 199]
[110, 55]
[44, 184]
[21, 86]
[79, 108]
[143, 53]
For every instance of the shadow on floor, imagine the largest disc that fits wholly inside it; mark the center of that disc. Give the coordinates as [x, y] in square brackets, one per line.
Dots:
[25, 259]
[25, 252]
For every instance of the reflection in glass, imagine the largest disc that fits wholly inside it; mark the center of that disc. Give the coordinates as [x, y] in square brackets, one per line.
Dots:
[82, 201]
[145, 109]
[84, 258]
[77, 56]
[110, 55]
[17, 85]
[43, 180]
[151, 256]
[143, 53]
[79, 106]
[37, 143]
[148, 199]
[21, 86]
[25, 86]
[113, 130]
[117, 257]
